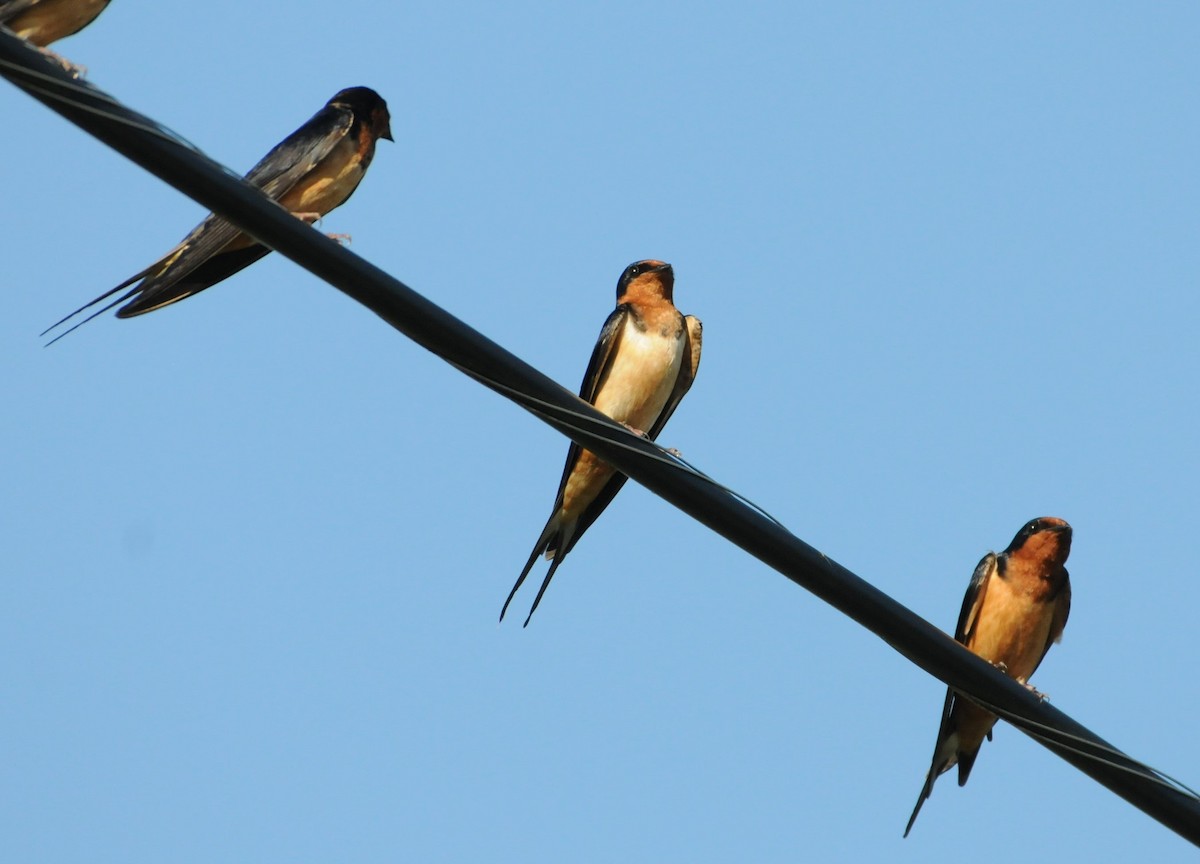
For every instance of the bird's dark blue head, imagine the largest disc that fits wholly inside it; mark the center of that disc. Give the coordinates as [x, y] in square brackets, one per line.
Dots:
[369, 107]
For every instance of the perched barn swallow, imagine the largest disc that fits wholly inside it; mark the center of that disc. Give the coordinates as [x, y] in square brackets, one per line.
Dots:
[41, 22]
[312, 171]
[643, 364]
[1016, 606]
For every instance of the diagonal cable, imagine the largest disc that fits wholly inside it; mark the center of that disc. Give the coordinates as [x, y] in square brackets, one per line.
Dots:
[181, 165]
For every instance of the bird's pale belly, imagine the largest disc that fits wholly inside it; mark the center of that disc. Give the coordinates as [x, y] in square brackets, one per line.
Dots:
[1013, 629]
[321, 190]
[635, 392]
[642, 377]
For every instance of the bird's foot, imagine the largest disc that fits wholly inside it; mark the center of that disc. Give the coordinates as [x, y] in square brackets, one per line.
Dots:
[1042, 697]
[635, 431]
[1002, 666]
[73, 69]
[340, 239]
[310, 218]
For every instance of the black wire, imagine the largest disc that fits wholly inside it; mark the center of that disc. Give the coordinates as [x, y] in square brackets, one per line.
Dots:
[171, 159]
[1087, 749]
[546, 410]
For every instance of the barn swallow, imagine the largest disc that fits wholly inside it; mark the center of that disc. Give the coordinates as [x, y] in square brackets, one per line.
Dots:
[41, 22]
[1016, 606]
[643, 364]
[312, 171]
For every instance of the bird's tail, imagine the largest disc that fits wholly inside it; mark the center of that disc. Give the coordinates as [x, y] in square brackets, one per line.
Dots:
[542, 590]
[184, 281]
[92, 303]
[965, 761]
[926, 790]
[945, 754]
[555, 536]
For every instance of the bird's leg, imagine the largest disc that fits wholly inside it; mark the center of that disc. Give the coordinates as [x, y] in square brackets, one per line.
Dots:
[74, 69]
[313, 218]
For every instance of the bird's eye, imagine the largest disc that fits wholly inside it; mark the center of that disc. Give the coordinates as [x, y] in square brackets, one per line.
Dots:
[635, 270]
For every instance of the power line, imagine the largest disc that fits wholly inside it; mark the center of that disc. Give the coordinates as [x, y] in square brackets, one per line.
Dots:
[180, 164]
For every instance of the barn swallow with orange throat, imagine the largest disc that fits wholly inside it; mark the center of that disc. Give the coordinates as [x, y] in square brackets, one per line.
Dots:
[643, 364]
[41, 22]
[1016, 606]
[312, 171]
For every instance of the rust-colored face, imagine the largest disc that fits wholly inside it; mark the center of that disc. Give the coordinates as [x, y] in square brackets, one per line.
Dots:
[381, 123]
[1046, 539]
[647, 279]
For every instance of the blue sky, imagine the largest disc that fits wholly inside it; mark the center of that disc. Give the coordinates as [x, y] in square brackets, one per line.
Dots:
[256, 544]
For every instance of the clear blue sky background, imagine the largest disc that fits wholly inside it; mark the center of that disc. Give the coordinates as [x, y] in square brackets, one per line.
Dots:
[254, 546]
